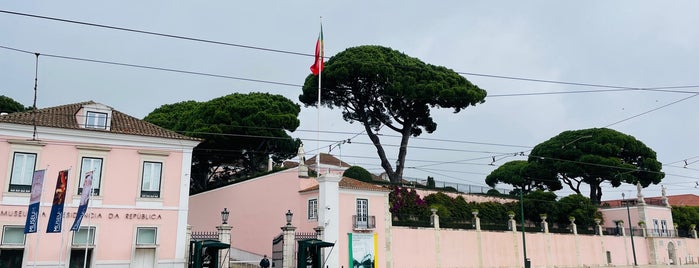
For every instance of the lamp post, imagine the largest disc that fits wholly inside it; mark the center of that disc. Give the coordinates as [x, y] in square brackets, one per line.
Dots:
[288, 215]
[527, 264]
[628, 213]
[224, 216]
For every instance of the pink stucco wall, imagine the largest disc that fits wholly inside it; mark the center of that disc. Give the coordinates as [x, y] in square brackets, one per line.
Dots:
[118, 210]
[426, 247]
[257, 208]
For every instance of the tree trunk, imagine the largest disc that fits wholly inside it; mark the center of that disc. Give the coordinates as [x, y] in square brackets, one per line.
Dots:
[382, 154]
[595, 193]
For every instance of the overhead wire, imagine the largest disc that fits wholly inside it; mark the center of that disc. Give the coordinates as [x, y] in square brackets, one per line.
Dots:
[610, 87]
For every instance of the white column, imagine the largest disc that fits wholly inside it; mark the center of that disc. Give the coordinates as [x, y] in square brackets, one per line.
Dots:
[288, 250]
[328, 214]
[224, 235]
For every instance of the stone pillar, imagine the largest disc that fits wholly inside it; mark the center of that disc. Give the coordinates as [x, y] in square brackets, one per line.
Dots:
[187, 240]
[544, 224]
[620, 225]
[598, 227]
[573, 226]
[693, 230]
[434, 218]
[476, 220]
[642, 225]
[289, 232]
[319, 232]
[511, 223]
[224, 235]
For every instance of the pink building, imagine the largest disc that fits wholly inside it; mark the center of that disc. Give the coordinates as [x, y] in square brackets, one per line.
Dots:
[137, 216]
[344, 208]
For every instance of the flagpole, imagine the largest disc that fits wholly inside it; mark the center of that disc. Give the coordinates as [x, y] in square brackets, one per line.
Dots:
[63, 235]
[36, 239]
[89, 224]
[320, 73]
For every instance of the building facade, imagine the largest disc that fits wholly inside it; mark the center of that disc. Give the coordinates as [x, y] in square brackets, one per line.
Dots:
[341, 207]
[137, 213]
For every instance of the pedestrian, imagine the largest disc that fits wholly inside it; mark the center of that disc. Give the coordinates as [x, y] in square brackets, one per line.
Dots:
[264, 263]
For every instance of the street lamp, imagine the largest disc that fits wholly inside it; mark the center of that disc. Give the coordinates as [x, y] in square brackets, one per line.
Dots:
[628, 213]
[224, 215]
[527, 264]
[289, 215]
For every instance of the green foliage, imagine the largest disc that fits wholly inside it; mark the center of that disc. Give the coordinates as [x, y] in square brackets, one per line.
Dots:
[685, 216]
[9, 105]
[521, 174]
[358, 173]
[240, 132]
[378, 86]
[577, 206]
[595, 156]
[539, 202]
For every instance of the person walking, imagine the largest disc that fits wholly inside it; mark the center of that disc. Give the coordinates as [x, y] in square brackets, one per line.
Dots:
[264, 263]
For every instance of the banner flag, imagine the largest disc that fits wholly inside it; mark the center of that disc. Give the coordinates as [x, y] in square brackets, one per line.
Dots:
[32, 223]
[84, 199]
[59, 198]
[362, 250]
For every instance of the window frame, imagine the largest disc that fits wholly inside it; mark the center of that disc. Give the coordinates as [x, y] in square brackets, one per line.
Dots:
[96, 176]
[312, 209]
[10, 245]
[146, 245]
[151, 193]
[16, 187]
[91, 236]
[96, 120]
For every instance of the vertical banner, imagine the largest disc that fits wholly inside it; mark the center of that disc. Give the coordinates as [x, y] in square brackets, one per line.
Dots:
[59, 198]
[362, 250]
[34, 201]
[84, 200]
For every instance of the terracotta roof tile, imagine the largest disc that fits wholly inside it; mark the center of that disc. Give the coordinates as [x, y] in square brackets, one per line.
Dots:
[349, 183]
[327, 159]
[63, 116]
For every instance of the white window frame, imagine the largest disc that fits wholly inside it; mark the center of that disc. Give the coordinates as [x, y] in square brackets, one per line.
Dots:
[4, 244]
[152, 173]
[152, 156]
[96, 175]
[25, 174]
[91, 236]
[20, 146]
[97, 120]
[90, 152]
[90, 114]
[362, 211]
[146, 245]
[313, 209]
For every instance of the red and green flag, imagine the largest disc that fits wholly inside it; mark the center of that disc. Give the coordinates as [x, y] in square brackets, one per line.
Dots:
[317, 66]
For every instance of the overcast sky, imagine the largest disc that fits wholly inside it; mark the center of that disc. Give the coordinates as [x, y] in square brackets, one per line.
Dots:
[637, 44]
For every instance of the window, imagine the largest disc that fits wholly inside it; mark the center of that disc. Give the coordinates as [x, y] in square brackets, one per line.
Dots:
[362, 219]
[23, 165]
[656, 228]
[146, 236]
[150, 184]
[96, 120]
[13, 235]
[313, 209]
[84, 236]
[95, 165]
[663, 227]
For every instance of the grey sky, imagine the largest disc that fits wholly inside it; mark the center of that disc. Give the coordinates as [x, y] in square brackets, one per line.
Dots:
[621, 43]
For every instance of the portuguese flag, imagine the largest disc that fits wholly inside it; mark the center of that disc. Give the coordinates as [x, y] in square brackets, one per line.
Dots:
[317, 66]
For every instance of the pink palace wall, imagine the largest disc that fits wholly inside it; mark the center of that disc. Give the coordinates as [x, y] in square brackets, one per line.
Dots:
[116, 213]
[257, 209]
